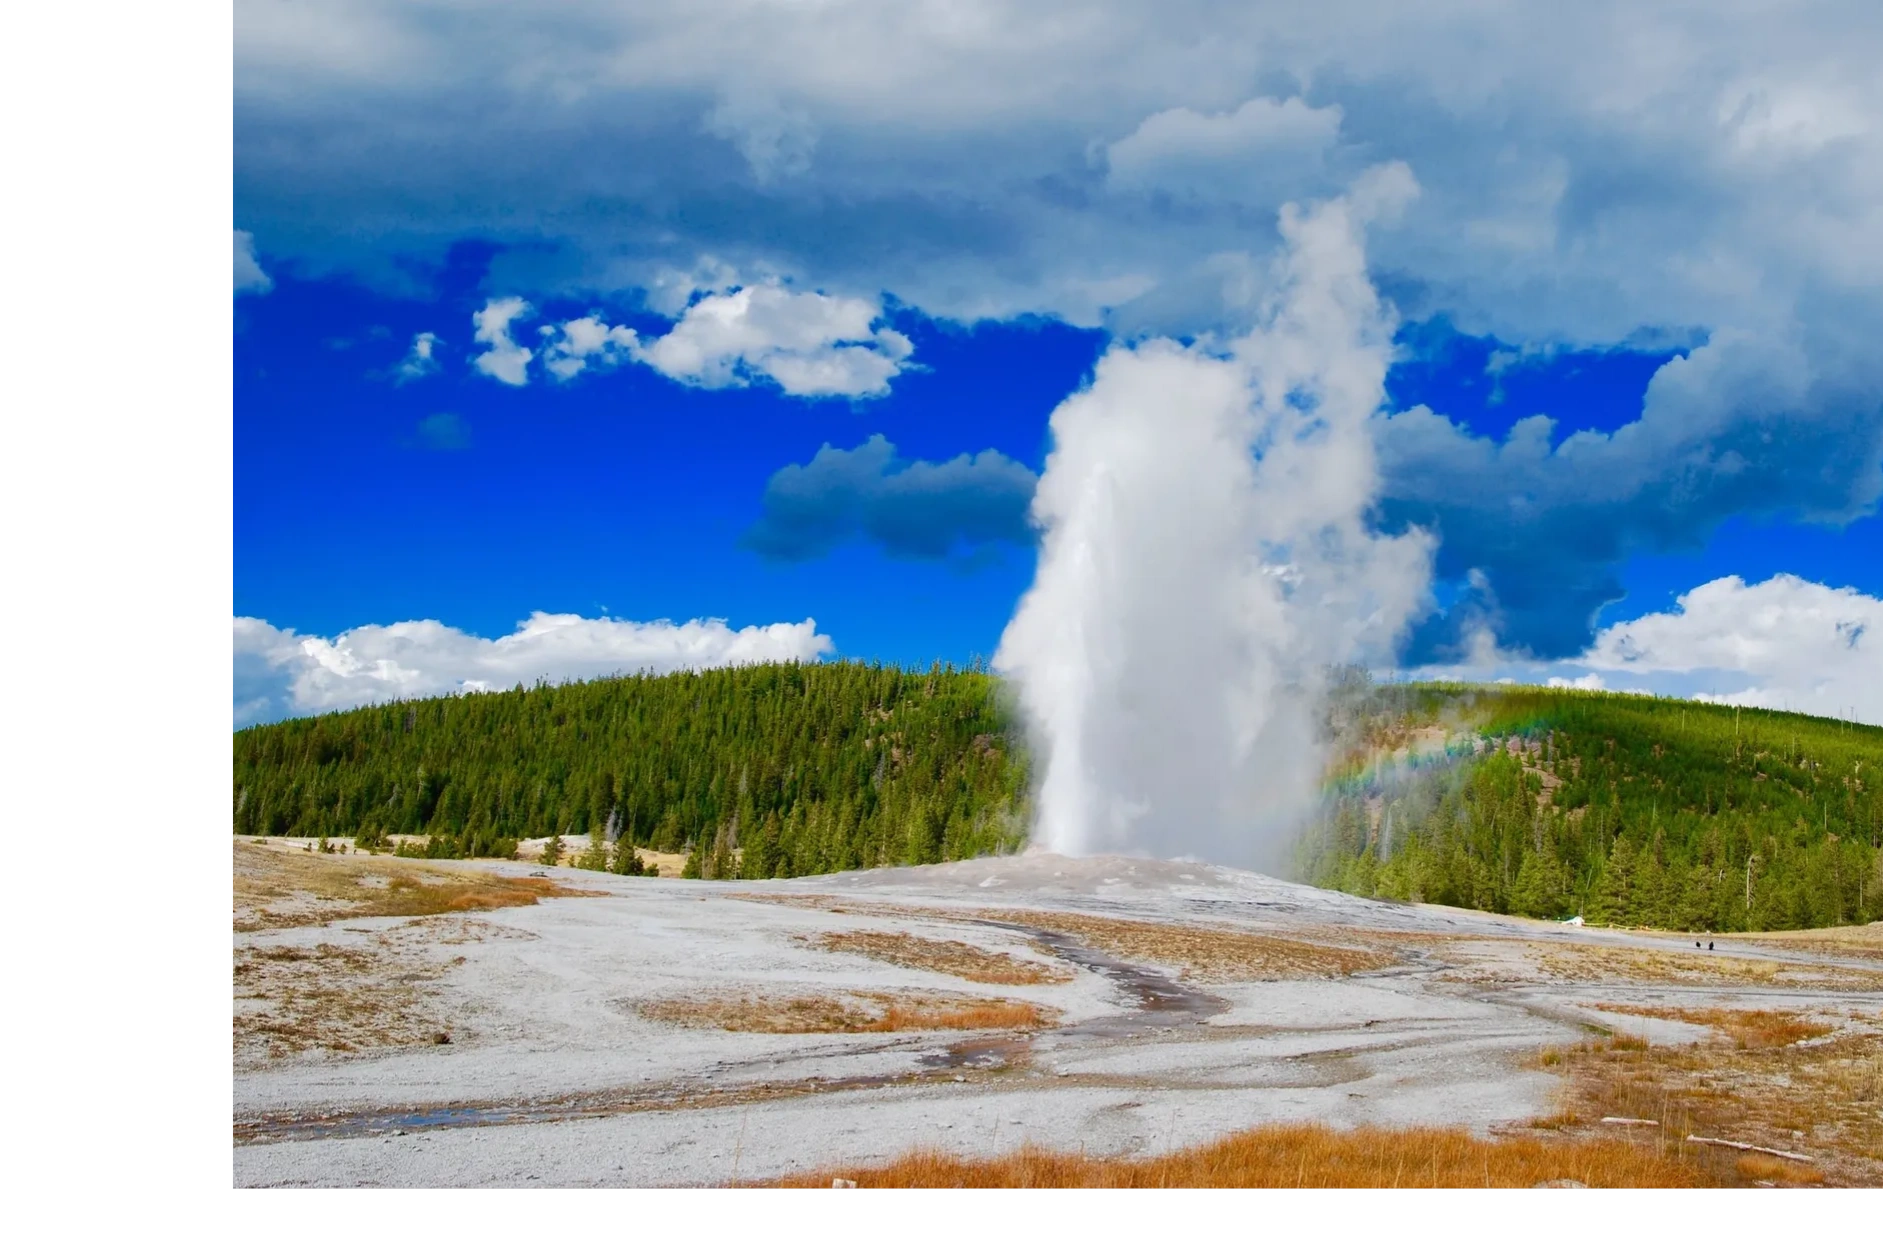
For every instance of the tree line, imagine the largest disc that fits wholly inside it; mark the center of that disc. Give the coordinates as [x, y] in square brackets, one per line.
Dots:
[1627, 810]
[753, 772]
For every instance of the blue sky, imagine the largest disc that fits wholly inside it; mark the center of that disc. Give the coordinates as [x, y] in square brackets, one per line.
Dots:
[793, 326]
[627, 495]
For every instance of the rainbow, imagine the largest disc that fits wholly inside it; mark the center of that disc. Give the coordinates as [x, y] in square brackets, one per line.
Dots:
[1362, 776]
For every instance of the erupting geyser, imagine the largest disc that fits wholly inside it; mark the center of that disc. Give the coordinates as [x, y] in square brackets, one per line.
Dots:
[1206, 557]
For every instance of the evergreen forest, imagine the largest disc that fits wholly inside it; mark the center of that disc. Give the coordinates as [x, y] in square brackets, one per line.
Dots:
[753, 772]
[1624, 809]
[1627, 810]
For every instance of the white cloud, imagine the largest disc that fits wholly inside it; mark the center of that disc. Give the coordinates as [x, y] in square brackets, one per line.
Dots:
[575, 344]
[775, 141]
[673, 289]
[1592, 170]
[249, 276]
[1786, 643]
[1746, 425]
[420, 361]
[279, 673]
[808, 344]
[505, 360]
[1239, 156]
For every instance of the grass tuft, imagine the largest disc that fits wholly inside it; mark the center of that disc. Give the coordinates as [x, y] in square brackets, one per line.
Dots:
[1764, 1087]
[277, 889]
[953, 958]
[1305, 1155]
[1749, 1030]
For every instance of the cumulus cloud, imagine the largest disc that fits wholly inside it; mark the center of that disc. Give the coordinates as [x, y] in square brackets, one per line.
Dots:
[279, 673]
[1538, 524]
[505, 360]
[775, 141]
[1240, 155]
[1533, 527]
[1591, 170]
[420, 361]
[1593, 175]
[806, 344]
[579, 343]
[1784, 643]
[249, 276]
[913, 509]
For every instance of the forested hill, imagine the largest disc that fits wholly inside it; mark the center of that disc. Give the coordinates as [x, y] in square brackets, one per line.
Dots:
[1625, 809]
[798, 768]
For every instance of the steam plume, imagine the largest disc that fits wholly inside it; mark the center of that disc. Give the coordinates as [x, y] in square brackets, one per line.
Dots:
[1205, 559]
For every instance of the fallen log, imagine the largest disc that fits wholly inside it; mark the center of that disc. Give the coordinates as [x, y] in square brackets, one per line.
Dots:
[1629, 1120]
[1747, 1146]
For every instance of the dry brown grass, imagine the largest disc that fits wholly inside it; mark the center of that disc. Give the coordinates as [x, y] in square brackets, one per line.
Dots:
[845, 1013]
[290, 999]
[276, 888]
[1764, 1169]
[1864, 942]
[1822, 1099]
[1209, 954]
[1749, 1030]
[953, 958]
[1612, 963]
[1304, 1156]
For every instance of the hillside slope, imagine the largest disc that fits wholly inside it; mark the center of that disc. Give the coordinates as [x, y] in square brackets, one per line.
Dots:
[1624, 809]
[802, 769]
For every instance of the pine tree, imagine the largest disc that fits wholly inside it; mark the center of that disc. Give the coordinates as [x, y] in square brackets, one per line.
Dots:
[722, 862]
[763, 853]
[1540, 889]
[1647, 898]
[1613, 898]
[595, 856]
[922, 837]
[623, 860]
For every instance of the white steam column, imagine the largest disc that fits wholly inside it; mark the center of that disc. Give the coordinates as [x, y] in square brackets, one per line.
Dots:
[1205, 558]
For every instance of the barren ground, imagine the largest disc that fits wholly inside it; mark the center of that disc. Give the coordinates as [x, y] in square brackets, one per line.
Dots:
[400, 1022]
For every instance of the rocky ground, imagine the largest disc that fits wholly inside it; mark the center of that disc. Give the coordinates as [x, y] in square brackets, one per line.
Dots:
[410, 1023]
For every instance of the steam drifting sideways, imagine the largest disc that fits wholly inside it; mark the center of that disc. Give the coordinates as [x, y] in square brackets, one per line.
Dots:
[1205, 558]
